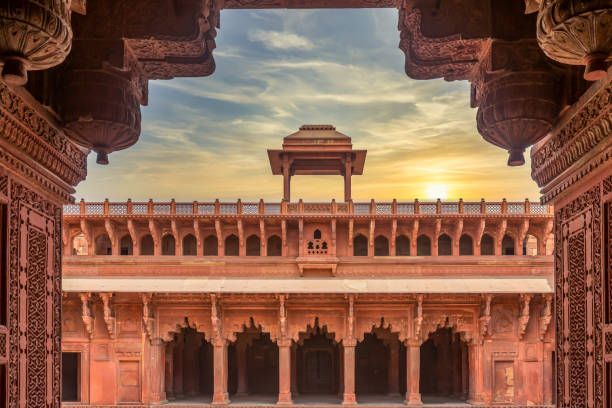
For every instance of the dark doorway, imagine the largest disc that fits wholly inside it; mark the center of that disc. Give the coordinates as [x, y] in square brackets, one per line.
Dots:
[318, 368]
[192, 365]
[262, 365]
[70, 377]
[444, 366]
[371, 366]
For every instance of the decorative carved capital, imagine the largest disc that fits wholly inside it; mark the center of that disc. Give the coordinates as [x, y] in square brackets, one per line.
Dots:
[485, 316]
[525, 300]
[87, 314]
[109, 313]
[546, 315]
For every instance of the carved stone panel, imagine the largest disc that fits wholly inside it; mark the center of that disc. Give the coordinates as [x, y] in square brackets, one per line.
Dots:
[503, 386]
[34, 300]
[579, 301]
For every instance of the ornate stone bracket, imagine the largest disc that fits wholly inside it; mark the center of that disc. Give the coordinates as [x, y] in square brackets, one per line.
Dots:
[485, 316]
[111, 229]
[88, 233]
[282, 321]
[87, 314]
[155, 234]
[109, 313]
[135, 242]
[198, 235]
[147, 315]
[177, 240]
[546, 316]
[525, 300]
[219, 232]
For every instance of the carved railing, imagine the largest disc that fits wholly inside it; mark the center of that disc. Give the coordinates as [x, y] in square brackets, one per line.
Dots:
[301, 207]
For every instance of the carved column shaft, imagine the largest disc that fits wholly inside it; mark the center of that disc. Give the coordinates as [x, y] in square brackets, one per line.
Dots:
[413, 372]
[157, 371]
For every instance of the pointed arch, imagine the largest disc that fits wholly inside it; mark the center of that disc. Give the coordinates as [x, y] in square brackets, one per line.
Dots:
[190, 245]
[402, 245]
[253, 246]
[211, 246]
[168, 245]
[126, 246]
[147, 245]
[487, 245]
[445, 245]
[423, 245]
[466, 245]
[103, 245]
[231, 245]
[275, 246]
[381, 246]
[360, 245]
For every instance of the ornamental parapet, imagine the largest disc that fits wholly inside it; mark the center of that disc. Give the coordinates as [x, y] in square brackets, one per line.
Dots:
[164, 208]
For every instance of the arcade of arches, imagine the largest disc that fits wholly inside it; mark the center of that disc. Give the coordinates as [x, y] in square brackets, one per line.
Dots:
[74, 75]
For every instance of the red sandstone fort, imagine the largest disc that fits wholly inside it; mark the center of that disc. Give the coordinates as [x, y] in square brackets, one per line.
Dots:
[318, 304]
[309, 303]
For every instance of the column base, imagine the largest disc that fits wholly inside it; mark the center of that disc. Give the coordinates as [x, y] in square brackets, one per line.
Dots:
[474, 402]
[220, 399]
[161, 402]
[349, 399]
[413, 400]
[284, 398]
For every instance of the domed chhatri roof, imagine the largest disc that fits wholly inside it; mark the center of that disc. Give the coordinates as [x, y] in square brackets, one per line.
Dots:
[320, 133]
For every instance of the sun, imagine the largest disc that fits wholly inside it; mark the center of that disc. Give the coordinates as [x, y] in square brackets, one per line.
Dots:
[435, 191]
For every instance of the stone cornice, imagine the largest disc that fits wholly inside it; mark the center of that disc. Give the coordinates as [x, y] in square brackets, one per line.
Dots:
[32, 134]
[579, 143]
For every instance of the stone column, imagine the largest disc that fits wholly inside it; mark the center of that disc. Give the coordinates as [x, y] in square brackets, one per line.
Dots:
[393, 367]
[549, 375]
[220, 396]
[465, 380]
[413, 372]
[157, 367]
[349, 372]
[241, 365]
[169, 374]
[475, 396]
[284, 372]
[179, 352]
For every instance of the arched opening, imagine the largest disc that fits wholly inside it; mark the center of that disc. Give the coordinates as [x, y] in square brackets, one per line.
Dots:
[231, 245]
[423, 246]
[487, 245]
[316, 234]
[381, 246]
[190, 245]
[371, 366]
[466, 245]
[211, 246]
[445, 245]
[189, 365]
[507, 245]
[79, 245]
[103, 245]
[253, 245]
[444, 367]
[168, 245]
[318, 368]
[126, 246]
[275, 246]
[254, 364]
[530, 245]
[360, 245]
[402, 246]
[147, 246]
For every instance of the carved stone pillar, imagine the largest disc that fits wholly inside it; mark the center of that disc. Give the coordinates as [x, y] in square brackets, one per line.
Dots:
[413, 372]
[220, 396]
[169, 371]
[241, 365]
[349, 372]
[157, 371]
[475, 395]
[284, 372]
[393, 367]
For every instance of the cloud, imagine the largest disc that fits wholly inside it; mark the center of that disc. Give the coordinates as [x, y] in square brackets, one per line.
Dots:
[206, 138]
[280, 40]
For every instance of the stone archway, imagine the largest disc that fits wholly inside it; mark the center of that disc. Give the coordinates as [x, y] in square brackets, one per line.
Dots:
[318, 362]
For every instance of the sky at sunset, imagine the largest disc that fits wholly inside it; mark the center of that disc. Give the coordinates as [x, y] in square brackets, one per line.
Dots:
[206, 138]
